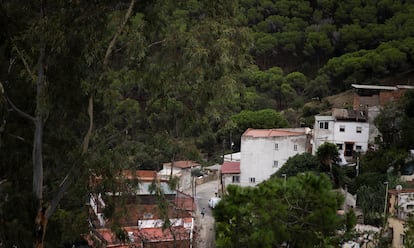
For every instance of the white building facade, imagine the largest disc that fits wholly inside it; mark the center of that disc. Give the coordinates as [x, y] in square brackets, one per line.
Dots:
[264, 151]
[229, 174]
[180, 169]
[348, 129]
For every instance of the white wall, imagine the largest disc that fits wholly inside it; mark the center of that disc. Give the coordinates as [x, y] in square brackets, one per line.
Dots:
[333, 134]
[258, 155]
[228, 179]
[322, 135]
[183, 174]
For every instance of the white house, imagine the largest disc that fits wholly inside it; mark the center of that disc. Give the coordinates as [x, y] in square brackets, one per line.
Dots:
[264, 151]
[348, 129]
[180, 169]
[229, 174]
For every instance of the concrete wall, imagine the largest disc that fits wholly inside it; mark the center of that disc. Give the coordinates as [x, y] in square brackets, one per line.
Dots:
[333, 134]
[258, 156]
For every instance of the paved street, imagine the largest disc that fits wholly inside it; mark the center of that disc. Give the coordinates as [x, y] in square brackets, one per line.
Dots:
[205, 226]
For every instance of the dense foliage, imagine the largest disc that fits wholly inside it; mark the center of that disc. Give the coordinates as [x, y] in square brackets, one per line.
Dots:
[300, 212]
[106, 85]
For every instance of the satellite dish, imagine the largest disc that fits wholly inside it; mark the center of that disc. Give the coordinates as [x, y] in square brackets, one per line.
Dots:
[398, 187]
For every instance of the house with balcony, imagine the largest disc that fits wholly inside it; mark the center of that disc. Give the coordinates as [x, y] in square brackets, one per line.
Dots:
[133, 207]
[265, 151]
[400, 207]
[348, 129]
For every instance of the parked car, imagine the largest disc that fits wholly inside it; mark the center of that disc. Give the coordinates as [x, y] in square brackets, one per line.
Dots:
[212, 203]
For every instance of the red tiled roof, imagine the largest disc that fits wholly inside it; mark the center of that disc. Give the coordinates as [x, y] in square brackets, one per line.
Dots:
[230, 168]
[183, 164]
[394, 191]
[270, 133]
[157, 234]
[143, 175]
[144, 234]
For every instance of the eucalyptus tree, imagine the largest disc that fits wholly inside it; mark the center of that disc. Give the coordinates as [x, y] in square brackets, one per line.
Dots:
[113, 81]
[49, 51]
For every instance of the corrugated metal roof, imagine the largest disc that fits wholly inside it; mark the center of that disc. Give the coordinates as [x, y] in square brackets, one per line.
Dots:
[373, 87]
[183, 164]
[405, 86]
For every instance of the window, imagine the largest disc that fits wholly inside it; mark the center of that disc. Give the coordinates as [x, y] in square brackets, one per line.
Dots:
[275, 164]
[341, 128]
[236, 179]
[358, 148]
[340, 146]
[252, 179]
[323, 125]
[148, 216]
[359, 129]
[295, 147]
[276, 146]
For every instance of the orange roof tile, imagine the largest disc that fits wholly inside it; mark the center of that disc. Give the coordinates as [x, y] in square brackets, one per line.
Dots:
[257, 133]
[230, 168]
[143, 175]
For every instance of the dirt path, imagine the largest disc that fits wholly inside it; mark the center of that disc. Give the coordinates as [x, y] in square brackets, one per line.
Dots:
[205, 225]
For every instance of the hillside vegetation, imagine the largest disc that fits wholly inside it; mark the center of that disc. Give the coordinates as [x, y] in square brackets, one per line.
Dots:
[100, 86]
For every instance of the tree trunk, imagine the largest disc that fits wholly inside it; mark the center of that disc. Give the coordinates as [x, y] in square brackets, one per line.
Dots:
[44, 213]
[38, 159]
[41, 220]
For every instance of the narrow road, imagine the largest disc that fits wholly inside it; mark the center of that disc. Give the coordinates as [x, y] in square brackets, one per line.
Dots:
[205, 225]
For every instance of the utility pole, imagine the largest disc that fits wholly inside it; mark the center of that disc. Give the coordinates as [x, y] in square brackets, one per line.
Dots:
[386, 198]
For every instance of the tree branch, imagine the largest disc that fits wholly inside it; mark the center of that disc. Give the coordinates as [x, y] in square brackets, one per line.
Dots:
[64, 185]
[155, 43]
[15, 108]
[88, 135]
[119, 31]
[26, 65]
[85, 144]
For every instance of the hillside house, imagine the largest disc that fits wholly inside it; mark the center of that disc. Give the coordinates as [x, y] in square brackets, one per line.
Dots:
[229, 174]
[371, 98]
[348, 129]
[400, 206]
[135, 208]
[376, 95]
[264, 151]
[180, 169]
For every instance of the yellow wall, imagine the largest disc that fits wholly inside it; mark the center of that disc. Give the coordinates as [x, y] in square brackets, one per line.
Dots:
[397, 226]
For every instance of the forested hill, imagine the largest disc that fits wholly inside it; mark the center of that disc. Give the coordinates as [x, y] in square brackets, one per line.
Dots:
[100, 86]
[333, 43]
